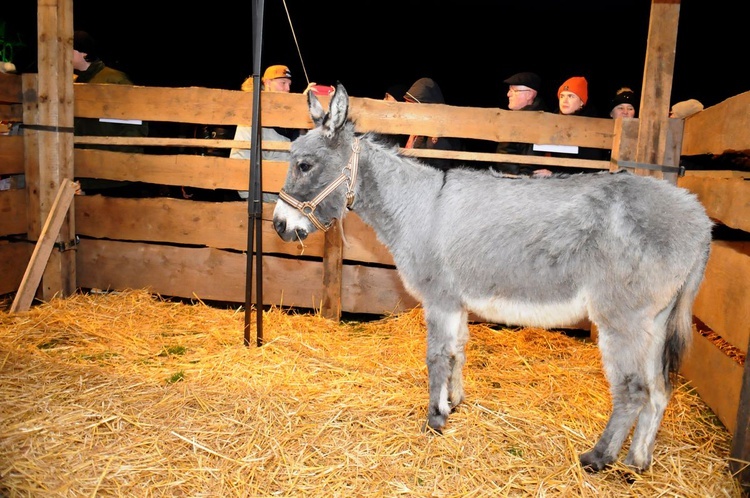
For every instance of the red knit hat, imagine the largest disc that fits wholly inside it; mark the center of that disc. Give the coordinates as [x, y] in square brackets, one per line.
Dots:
[577, 85]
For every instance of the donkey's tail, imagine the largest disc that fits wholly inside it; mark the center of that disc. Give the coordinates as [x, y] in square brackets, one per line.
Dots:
[680, 323]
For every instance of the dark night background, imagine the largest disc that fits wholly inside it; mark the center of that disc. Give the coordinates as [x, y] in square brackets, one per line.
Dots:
[468, 47]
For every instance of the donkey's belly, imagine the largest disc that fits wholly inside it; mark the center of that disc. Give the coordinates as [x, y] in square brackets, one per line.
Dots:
[516, 312]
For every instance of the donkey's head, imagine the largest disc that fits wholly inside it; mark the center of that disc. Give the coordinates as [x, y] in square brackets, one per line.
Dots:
[322, 171]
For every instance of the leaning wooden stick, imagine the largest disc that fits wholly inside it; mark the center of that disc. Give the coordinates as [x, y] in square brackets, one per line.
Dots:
[43, 248]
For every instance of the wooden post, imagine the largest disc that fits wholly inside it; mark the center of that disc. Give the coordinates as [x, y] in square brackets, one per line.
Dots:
[657, 84]
[51, 131]
[333, 263]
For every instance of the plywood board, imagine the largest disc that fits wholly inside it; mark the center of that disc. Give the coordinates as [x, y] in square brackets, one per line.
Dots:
[716, 377]
[725, 199]
[213, 274]
[723, 302]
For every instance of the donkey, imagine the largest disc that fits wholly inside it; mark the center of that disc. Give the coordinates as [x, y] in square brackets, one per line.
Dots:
[626, 251]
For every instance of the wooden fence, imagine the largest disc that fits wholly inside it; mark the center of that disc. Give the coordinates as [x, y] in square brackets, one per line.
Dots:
[198, 249]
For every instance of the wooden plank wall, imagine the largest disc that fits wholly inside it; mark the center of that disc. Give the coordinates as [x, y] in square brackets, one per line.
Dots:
[195, 249]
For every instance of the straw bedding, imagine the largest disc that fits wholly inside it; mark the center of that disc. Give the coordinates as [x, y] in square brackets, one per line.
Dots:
[128, 394]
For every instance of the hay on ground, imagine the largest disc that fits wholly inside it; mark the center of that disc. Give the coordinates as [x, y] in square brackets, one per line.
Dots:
[126, 394]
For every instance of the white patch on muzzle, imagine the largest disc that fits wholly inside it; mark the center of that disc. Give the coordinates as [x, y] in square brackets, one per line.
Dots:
[293, 219]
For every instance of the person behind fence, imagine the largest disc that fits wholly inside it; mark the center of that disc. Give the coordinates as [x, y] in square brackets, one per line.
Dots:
[277, 78]
[88, 67]
[623, 104]
[395, 93]
[573, 97]
[682, 110]
[523, 95]
[427, 91]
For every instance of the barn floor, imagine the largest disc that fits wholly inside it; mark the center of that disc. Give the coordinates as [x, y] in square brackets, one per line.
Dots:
[126, 394]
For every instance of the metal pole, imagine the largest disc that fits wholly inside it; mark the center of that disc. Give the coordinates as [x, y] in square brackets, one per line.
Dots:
[255, 201]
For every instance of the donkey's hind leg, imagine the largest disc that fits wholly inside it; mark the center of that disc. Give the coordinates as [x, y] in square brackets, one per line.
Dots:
[658, 389]
[447, 333]
[623, 366]
[456, 381]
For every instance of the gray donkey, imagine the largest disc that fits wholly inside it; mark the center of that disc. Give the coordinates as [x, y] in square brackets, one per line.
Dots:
[626, 251]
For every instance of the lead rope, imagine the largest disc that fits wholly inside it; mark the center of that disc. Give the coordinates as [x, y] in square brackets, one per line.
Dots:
[304, 70]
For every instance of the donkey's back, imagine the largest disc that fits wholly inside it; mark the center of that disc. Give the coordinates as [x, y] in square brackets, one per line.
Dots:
[549, 252]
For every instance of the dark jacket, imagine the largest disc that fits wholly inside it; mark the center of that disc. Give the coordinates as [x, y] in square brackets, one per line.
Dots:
[98, 72]
[426, 91]
[583, 152]
[520, 148]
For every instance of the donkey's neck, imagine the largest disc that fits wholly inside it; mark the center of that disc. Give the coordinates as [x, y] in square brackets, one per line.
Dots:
[395, 194]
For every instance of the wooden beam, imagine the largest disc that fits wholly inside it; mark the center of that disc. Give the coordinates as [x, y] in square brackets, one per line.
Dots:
[54, 154]
[657, 84]
[43, 249]
[333, 260]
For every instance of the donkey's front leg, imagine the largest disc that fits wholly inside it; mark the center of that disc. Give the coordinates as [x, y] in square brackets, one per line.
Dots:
[447, 333]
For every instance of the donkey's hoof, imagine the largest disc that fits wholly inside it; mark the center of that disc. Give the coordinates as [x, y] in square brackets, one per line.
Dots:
[434, 423]
[426, 428]
[594, 461]
[638, 468]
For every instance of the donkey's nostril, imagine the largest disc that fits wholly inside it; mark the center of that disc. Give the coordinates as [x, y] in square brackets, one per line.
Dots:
[279, 225]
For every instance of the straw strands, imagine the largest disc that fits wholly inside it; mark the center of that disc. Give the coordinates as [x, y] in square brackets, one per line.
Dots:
[127, 394]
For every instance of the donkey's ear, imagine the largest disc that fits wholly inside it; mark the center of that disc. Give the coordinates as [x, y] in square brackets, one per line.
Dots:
[316, 110]
[338, 109]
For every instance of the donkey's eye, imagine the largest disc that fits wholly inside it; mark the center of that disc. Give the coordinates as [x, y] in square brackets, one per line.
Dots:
[304, 167]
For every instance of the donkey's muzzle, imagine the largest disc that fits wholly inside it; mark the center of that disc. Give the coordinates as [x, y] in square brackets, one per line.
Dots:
[287, 234]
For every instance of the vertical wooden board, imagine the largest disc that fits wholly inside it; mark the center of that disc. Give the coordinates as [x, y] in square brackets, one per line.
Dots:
[332, 263]
[625, 142]
[723, 302]
[716, 377]
[32, 169]
[657, 84]
[55, 112]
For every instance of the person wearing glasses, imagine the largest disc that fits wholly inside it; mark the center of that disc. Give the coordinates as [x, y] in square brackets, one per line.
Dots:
[277, 78]
[523, 95]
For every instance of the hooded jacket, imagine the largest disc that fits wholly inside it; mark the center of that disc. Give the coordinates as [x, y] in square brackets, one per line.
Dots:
[426, 91]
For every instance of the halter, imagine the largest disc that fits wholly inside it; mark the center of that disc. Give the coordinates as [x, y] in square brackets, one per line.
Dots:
[348, 175]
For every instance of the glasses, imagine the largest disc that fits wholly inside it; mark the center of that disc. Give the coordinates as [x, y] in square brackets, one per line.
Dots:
[518, 90]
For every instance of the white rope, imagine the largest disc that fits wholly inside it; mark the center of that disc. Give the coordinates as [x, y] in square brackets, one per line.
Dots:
[295, 42]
